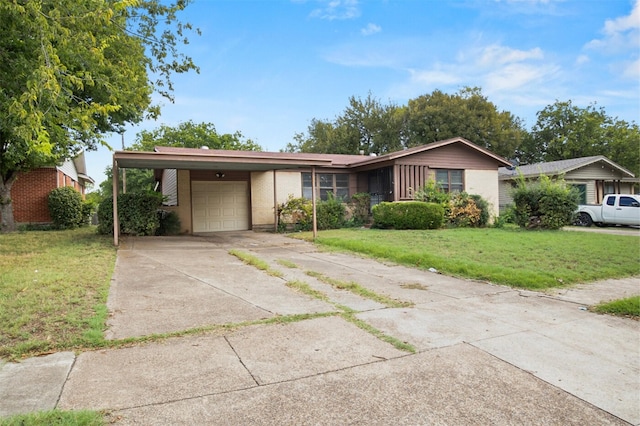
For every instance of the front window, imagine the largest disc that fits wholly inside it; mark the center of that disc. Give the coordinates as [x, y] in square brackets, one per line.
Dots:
[450, 180]
[336, 184]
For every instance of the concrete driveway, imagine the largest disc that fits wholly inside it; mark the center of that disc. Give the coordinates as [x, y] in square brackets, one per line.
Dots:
[484, 354]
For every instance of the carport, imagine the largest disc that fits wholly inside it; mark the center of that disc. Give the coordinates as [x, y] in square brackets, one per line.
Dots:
[244, 161]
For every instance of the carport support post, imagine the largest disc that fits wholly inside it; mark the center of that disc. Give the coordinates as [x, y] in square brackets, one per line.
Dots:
[313, 201]
[116, 184]
[275, 203]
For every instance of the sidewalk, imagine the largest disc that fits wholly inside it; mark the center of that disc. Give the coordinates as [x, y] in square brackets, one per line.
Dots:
[485, 353]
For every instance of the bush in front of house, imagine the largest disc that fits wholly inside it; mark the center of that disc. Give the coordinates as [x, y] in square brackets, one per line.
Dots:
[331, 214]
[545, 203]
[65, 208]
[432, 193]
[468, 210]
[169, 223]
[296, 214]
[359, 206]
[408, 215]
[137, 213]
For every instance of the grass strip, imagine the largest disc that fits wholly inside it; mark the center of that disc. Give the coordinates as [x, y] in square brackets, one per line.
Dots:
[305, 288]
[249, 259]
[56, 418]
[360, 291]
[629, 307]
[346, 312]
[287, 263]
[396, 343]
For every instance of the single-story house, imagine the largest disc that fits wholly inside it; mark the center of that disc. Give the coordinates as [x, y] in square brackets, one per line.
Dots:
[30, 191]
[218, 190]
[594, 177]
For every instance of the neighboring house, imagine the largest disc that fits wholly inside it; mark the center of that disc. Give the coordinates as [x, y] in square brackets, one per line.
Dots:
[594, 177]
[30, 191]
[219, 190]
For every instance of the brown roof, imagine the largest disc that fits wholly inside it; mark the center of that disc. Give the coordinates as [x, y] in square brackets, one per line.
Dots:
[336, 160]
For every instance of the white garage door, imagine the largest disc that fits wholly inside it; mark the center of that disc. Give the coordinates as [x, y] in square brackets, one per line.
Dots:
[220, 206]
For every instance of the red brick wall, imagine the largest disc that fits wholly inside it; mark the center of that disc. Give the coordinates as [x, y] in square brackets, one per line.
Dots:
[29, 194]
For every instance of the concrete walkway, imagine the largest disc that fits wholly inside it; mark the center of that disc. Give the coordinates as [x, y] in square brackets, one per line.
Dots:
[485, 353]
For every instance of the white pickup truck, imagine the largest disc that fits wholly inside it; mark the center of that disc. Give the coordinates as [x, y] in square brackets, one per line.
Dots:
[616, 209]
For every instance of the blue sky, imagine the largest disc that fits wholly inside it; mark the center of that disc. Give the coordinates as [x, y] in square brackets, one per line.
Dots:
[267, 68]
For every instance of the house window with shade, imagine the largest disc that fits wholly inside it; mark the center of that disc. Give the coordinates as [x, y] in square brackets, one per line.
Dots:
[450, 180]
[335, 183]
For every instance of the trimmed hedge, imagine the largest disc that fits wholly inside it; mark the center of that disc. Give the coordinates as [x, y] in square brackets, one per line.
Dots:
[408, 215]
[137, 213]
[65, 208]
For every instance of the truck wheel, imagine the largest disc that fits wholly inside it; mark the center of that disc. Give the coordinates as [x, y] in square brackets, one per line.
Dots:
[584, 220]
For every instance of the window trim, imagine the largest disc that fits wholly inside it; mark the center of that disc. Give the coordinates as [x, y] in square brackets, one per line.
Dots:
[448, 187]
[319, 189]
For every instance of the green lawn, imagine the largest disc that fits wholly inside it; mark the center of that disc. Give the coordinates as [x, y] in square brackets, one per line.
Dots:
[53, 289]
[527, 259]
[629, 307]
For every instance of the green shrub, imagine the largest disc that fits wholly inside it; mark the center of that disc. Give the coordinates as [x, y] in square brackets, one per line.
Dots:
[463, 211]
[295, 214]
[408, 215]
[507, 216]
[545, 203]
[169, 223]
[65, 208]
[432, 193]
[483, 205]
[137, 213]
[330, 214]
[360, 205]
[105, 216]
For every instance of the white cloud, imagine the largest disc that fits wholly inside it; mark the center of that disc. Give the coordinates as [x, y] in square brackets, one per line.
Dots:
[582, 59]
[337, 9]
[370, 29]
[496, 54]
[433, 78]
[516, 76]
[620, 34]
[631, 70]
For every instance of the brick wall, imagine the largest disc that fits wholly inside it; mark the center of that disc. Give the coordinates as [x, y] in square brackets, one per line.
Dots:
[29, 194]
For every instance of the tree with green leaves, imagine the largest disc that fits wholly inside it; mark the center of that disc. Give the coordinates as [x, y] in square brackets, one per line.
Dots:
[468, 114]
[186, 135]
[564, 131]
[370, 126]
[366, 125]
[72, 71]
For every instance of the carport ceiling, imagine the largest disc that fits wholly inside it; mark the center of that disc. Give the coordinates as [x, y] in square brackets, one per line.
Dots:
[214, 161]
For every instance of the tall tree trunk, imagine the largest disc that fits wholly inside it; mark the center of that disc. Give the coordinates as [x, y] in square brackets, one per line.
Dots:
[7, 223]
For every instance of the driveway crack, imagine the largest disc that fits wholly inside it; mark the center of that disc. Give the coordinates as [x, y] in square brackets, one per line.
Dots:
[242, 362]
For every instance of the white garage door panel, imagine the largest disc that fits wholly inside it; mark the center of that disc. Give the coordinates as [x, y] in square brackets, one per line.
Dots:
[220, 206]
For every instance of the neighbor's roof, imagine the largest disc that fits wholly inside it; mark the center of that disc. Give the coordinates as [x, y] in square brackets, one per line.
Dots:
[559, 167]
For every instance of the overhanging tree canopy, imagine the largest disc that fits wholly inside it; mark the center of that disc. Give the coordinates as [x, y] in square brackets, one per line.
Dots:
[73, 70]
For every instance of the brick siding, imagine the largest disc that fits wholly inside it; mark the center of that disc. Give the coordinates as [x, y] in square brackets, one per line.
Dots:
[30, 193]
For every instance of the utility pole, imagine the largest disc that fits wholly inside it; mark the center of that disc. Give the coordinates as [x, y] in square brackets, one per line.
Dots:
[124, 171]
